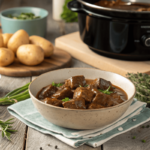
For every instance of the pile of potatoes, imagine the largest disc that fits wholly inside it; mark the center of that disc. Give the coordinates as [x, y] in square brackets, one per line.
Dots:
[29, 50]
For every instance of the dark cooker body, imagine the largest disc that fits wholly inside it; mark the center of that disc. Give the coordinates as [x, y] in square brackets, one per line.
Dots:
[114, 37]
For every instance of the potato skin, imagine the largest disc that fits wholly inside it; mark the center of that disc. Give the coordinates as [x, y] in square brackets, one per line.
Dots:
[1, 41]
[6, 37]
[19, 38]
[6, 57]
[30, 54]
[46, 45]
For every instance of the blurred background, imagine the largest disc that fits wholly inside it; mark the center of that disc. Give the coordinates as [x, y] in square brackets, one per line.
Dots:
[56, 26]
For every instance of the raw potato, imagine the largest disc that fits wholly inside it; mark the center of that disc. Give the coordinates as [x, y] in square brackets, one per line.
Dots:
[30, 54]
[6, 38]
[1, 41]
[46, 45]
[6, 57]
[19, 38]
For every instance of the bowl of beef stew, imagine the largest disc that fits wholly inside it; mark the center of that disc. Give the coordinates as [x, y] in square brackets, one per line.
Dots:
[81, 98]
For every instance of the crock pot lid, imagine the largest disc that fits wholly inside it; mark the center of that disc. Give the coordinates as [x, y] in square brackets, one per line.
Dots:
[111, 9]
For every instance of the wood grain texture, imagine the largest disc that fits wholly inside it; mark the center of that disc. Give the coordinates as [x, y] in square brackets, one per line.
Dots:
[73, 44]
[126, 142]
[58, 60]
[35, 140]
[8, 84]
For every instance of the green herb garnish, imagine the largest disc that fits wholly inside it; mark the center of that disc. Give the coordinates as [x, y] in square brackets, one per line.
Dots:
[143, 141]
[66, 99]
[142, 84]
[147, 126]
[17, 95]
[7, 128]
[80, 85]
[143, 126]
[106, 91]
[68, 15]
[24, 16]
[57, 84]
[133, 137]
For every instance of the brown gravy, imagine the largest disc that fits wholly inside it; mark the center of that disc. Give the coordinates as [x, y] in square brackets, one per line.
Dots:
[117, 90]
[80, 93]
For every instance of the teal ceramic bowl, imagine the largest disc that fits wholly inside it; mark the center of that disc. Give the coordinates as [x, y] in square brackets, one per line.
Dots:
[32, 27]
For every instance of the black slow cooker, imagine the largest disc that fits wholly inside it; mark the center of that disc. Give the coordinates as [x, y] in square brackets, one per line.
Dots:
[121, 34]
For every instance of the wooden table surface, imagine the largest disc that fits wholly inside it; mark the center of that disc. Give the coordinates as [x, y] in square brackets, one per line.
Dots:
[28, 139]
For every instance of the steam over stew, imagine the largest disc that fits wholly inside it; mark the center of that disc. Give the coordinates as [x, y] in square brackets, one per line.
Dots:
[80, 93]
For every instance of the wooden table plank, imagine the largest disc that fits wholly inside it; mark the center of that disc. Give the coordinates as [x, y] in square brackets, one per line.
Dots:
[126, 142]
[8, 84]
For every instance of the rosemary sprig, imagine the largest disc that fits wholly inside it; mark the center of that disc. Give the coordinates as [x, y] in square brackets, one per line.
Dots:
[6, 128]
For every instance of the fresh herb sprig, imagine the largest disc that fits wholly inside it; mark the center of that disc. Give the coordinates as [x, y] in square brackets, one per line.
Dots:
[16, 95]
[57, 84]
[142, 84]
[6, 128]
[106, 91]
[66, 99]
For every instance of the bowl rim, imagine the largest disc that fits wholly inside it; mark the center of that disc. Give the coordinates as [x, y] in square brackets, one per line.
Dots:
[16, 8]
[84, 110]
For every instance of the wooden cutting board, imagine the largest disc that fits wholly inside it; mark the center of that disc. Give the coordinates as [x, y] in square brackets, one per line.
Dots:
[58, 60]
[73, 44]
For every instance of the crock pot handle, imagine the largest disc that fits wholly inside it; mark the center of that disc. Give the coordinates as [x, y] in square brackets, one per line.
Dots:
[75, 6]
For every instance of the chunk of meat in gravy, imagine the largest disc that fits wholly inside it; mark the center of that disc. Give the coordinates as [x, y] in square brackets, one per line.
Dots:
[83, 93]
[95, 106]
[75, 82]
[75, 104]
[107, 100]
[61, 87]
[53, 101]
[63, 93]
[99, 84]
[47, 92]
[104, 84]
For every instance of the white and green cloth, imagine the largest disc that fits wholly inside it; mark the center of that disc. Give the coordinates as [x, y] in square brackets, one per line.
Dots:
[136, 115]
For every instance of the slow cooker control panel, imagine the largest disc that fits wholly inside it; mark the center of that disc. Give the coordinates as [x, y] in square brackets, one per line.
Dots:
[146, 40]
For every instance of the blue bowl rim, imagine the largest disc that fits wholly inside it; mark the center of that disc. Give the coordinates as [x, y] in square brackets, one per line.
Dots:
[14, 8]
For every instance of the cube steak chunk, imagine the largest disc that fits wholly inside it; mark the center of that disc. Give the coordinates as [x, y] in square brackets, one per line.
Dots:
[53, 101]
[107, 100]
[75, 104]
[75, 82]
[47, 92]
[83, 93]
[63, 93]
[104, 84]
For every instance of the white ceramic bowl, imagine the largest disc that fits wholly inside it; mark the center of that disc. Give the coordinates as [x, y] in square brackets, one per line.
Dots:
[81, 119]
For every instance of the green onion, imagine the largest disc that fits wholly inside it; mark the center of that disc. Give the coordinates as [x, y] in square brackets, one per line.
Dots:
[106, 91]
[143, 141]
[57, 84]
[134, 137]
[24, 16]
[16, 95]
[66, 99]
